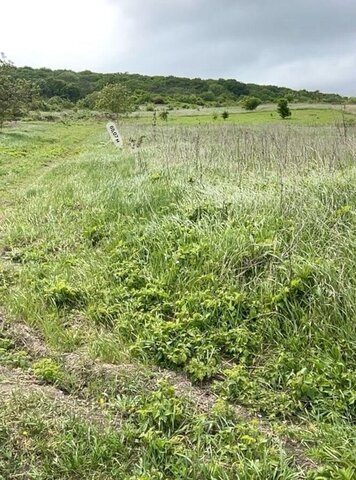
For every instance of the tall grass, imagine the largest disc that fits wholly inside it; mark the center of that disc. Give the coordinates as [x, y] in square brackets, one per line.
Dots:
[226, 252]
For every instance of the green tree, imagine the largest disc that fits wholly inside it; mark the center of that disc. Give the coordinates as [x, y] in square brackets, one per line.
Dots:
[114, 98]
[16, 95]
[251, 103]
[283, 108]
[225, 115]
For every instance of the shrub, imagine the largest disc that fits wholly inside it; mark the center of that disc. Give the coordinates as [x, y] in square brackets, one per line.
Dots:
[251, 103]
[283, 109]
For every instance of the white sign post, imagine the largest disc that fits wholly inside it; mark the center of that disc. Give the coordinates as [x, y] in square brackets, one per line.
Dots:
[114, 134]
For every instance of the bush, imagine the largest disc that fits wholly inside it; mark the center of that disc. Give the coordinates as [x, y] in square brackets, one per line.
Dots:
[283, 109]
[57, 104]
[251, 103]
[114, 98]
[89, 101]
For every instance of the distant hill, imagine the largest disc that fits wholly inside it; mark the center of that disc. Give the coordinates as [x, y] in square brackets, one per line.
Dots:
[163, 90]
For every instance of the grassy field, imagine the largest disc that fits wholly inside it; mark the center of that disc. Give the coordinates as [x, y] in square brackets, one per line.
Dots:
[302, 114]
[184, 310]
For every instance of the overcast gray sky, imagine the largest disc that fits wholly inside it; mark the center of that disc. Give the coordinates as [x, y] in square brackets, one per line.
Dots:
[296, 43]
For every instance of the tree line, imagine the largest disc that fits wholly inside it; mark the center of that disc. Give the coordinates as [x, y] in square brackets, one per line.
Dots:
[176, 91]
[50, 90]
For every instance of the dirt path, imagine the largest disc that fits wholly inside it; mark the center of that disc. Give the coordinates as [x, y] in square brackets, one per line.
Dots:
[79, 364]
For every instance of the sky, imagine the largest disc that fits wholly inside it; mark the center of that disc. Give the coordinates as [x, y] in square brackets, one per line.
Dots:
[295, 43]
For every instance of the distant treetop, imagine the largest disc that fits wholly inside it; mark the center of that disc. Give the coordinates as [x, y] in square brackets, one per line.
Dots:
[159, 90]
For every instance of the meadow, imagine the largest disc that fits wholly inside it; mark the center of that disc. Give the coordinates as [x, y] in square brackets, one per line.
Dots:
[303, 114]
[183, 308]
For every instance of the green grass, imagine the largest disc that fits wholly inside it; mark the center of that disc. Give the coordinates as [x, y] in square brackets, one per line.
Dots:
[301, 115]
[161, 437]
[24, 151]
[222, 251]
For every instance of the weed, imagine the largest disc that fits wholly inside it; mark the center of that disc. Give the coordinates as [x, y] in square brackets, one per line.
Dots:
[47, 370]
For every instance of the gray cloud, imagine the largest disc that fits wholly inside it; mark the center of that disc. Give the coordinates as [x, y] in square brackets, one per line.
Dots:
[298, 43]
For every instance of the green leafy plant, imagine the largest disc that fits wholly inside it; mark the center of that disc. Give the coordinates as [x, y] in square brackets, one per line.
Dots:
[63, 295]
[47, 370]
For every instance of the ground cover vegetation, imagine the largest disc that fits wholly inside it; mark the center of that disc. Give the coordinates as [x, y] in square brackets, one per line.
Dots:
[187, 304]
[302, 115]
